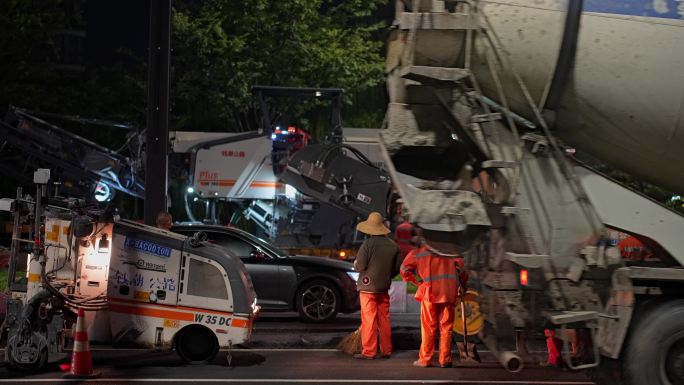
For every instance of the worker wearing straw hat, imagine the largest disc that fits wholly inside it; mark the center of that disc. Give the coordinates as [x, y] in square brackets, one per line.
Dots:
[377, 262]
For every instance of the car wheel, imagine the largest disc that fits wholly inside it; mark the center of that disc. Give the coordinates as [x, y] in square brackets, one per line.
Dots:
[318, 301]
[196, 344]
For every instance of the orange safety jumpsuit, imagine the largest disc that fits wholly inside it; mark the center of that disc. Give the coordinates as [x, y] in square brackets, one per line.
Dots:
[437, 294]
[633, 249]
[403, 236]
[375, 324]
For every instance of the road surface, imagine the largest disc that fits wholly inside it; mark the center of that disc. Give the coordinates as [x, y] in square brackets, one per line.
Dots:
[285, 351]
[290, 366]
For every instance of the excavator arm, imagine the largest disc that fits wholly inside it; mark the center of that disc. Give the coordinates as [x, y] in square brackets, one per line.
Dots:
[83, 167]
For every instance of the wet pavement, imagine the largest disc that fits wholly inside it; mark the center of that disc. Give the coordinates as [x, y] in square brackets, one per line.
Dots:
[285, 350]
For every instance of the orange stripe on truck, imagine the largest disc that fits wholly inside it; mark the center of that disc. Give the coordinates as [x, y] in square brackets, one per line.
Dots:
[149, 312]
[265, 184]
[198, 309]
[220, 182]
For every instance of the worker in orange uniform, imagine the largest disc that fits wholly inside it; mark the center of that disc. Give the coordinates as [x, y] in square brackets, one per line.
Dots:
[403, 236]
[164, 220]
[437, 293]
[631, 248]
[377, 262]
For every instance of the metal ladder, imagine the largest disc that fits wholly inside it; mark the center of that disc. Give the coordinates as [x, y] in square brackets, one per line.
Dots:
[461, 15]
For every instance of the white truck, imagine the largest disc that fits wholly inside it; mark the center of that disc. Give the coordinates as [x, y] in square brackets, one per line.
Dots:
[239, 168]
[140, 286]
[488, 102]
[490, 89]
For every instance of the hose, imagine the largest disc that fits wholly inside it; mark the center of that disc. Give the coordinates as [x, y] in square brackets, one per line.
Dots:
[28, 309]
[323, 158]
[360, 156]
[95, 305]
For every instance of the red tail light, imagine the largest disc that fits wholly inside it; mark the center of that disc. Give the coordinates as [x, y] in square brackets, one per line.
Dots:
[524, 278]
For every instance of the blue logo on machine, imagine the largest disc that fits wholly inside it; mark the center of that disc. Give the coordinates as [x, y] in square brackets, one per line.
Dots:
[147, 247]
[667, 9]
[142, 264]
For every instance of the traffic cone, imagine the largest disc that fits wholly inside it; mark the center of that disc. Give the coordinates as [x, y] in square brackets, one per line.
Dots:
[81, 359]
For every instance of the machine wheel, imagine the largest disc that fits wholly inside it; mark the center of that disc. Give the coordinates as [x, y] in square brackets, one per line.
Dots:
[654, 353]
[318, 301]
[196, 344]
[39, 364]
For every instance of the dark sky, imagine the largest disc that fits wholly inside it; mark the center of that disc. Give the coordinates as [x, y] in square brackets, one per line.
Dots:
[116, 24]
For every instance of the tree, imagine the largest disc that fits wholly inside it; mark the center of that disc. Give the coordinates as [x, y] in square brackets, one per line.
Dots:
[221, 50]
[656, 193]
[37, 73]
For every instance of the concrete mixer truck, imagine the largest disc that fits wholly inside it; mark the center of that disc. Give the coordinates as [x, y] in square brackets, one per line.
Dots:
[488, 101]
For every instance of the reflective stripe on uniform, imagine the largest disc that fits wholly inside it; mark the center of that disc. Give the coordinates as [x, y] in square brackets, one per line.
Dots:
[440, 277]
[428, 254]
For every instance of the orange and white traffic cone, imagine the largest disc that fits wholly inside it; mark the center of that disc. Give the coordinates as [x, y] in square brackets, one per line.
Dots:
[81, 359]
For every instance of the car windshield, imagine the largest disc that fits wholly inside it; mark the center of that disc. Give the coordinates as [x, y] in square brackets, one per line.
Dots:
[260, 242]
[263, 243]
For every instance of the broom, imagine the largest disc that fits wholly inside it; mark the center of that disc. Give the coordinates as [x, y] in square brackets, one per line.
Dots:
[351, 344]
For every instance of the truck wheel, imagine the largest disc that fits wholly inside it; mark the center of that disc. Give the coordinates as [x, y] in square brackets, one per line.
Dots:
[654, 353]
[196, 344]
[318, 301]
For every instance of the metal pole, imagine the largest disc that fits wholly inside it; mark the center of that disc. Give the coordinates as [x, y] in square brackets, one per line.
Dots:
[336, 119]
[156, 145]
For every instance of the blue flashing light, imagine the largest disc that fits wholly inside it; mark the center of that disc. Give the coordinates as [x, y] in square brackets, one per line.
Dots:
[103, 193]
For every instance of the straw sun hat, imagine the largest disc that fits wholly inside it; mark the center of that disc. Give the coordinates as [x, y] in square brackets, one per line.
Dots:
[373, 225]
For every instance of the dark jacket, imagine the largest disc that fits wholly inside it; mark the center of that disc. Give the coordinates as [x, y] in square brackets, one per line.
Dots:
[378, 261]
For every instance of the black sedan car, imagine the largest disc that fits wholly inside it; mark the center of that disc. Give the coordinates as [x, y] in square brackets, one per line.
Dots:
[317, 288]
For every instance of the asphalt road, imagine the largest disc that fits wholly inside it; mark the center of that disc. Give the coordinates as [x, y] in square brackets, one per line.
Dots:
[291, 366]
[285, 351]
